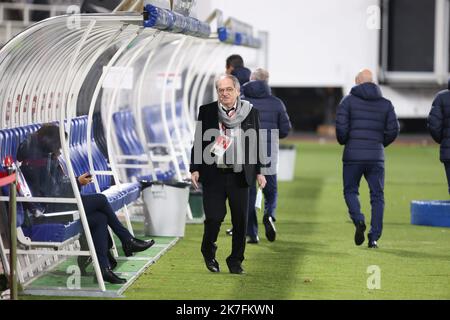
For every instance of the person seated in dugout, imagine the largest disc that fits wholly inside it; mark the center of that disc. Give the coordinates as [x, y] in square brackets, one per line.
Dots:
[46, 177]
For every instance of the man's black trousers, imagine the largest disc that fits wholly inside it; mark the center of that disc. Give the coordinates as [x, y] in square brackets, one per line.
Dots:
[231, 186]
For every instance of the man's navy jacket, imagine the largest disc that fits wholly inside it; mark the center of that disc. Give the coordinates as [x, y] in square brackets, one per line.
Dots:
[365, 123]
[272, 111]
[272, 115]
[439, 123]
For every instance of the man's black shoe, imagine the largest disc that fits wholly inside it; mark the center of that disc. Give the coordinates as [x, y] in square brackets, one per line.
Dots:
[212, 265]
[229, 232]
[83, 263]
[359, 233]
[143, 242]
[236, 269]
[252, 240]
[109, 276]
[271, 232]
[112, 260]
[136, 245]
[373, 244]
[235, 266]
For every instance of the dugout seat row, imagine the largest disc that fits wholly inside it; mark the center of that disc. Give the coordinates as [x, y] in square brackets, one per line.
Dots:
[154, 126]
[127, 137]
[118, 195]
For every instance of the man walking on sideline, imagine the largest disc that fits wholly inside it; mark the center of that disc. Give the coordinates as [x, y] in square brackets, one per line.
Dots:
[226, 168]
[439, 127]
[234, 65]
[275, 120]
[366, 123]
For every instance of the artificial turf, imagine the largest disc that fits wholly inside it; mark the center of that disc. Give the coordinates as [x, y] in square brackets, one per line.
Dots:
[314, 256]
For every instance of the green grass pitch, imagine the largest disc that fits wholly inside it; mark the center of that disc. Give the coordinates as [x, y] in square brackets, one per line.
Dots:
[314, 256]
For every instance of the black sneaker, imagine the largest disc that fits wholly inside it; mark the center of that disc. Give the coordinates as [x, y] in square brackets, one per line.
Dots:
[271, 232]
[253, 240]
[359, 233]
[235, 267]
[373, 244]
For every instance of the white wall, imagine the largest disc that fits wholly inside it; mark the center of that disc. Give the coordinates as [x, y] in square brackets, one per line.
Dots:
[311, 42]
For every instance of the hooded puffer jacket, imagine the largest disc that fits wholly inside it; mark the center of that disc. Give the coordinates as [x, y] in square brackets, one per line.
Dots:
[365, 123]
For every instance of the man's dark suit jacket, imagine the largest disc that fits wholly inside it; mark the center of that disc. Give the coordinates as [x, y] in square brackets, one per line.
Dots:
[209, 117]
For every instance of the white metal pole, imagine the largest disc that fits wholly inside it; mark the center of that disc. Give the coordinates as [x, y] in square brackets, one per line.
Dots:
[113, 101]
[210, 71]
[173, 90]
[66, 154]
[187, 85]
[140, 104]
[108, 129]
[172, 151]
[199, 78]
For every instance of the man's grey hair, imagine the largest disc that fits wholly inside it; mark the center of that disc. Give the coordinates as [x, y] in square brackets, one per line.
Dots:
[260, 74]
[228, 76]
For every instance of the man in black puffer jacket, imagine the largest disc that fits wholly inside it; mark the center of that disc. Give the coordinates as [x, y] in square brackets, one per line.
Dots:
[366, 123]
[439, 126]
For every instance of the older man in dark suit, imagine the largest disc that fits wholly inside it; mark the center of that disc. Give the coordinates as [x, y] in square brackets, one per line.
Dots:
[225, 160]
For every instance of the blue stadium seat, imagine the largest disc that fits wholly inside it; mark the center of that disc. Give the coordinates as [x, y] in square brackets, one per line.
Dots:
[154, 124]
[117, 196]
[126, 135]
[125, 127]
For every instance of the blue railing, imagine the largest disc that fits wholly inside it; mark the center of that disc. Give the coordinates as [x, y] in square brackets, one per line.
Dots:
[163, 19]
[238, 38]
